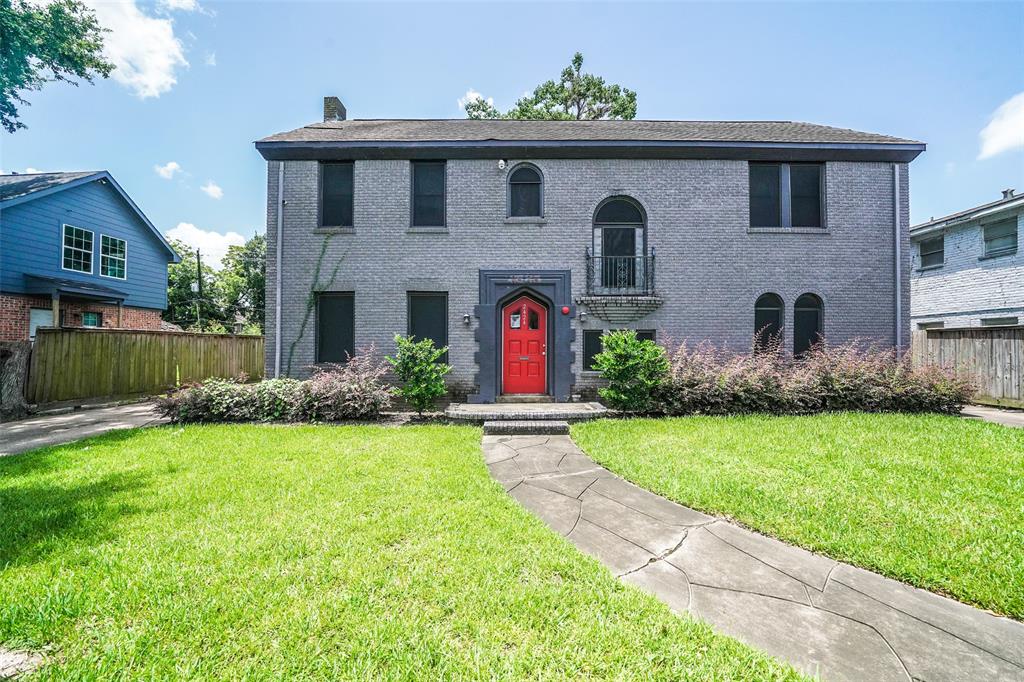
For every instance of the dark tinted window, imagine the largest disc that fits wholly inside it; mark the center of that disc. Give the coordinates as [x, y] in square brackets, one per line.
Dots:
[619, 211]
[335, 327]
[428, 317]
[767, 320]
[1001, 237]
[933, 252]
[592, 344]
[524, 192]
[764, 195]
[805, 188]
[336, 194]
[807, 323]
[428, 193]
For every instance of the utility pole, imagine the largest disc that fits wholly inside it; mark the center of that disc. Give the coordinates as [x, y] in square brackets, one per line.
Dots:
[199, 286]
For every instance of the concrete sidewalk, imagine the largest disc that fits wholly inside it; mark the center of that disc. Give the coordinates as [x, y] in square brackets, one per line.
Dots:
[42, 430]
[824, 617]
[995, 415]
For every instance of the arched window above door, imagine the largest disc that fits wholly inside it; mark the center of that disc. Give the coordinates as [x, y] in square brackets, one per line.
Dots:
[525, 192]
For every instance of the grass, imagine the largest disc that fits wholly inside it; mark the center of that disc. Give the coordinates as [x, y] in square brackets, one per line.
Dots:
[319, 552]
[934, 501]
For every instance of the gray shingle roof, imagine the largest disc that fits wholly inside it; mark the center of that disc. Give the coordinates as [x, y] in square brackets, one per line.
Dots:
[967, 214]
[466, 130]
[18, 185]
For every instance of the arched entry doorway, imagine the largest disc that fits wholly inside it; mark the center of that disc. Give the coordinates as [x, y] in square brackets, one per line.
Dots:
[524, 345]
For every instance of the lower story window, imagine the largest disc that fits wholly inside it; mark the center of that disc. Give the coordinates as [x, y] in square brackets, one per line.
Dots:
[592, 344]
[428, 317]
[92, 319]
[807, 323]
[335, 326]
[998, 321]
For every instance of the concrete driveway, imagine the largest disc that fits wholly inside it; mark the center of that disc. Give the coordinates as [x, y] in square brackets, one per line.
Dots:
[42, 430]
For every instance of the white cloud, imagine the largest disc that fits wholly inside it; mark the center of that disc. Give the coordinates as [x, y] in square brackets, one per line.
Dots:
[144, 48]
[181, 5]
[30, 169]
[212, 190]
[211, 59]
[168, 170]
[213, 246]
[1005, 130]
[950, 167]
[472, 96]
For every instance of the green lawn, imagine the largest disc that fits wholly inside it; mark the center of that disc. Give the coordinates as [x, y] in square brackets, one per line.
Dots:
[265, 552]
[934, 501]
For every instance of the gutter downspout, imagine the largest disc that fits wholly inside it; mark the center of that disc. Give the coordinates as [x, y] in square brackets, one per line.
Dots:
[277, 270]
[898, 258]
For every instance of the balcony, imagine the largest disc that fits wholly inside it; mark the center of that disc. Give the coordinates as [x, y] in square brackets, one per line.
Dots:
[620, 289]
[620, 275]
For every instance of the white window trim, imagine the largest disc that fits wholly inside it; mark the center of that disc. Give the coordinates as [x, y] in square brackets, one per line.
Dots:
[92, 252]
[110, 236]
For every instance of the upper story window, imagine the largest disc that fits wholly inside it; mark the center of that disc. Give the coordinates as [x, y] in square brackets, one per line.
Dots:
[336, 192]
[1001, 237]
[933, 251]
[525, 192]
[78, 248]
[619, 243]
[786, 194]
[428, 190]
[113, 257]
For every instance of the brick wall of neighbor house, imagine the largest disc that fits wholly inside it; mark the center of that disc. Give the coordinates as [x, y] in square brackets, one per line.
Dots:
[965, 290]
[710, 267]
[14, 315]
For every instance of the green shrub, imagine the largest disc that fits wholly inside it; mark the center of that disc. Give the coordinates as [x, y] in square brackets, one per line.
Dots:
[418, 366]
[634, 369]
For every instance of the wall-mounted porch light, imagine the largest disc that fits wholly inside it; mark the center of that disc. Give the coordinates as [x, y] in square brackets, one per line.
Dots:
[466, 319]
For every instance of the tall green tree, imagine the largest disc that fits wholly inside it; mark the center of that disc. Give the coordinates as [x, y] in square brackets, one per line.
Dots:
[39, 43]
[576, 96]
[185, 301]
[243, 281]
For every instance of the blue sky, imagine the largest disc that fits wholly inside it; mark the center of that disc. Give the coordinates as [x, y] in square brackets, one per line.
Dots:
[199, 81]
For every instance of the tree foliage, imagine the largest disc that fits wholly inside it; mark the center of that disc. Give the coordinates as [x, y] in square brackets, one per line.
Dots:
[576, 96]
[43, 42]
[243, 279]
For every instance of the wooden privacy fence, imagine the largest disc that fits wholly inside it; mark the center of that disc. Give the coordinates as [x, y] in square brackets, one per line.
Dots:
[994, 355]
[75, 364]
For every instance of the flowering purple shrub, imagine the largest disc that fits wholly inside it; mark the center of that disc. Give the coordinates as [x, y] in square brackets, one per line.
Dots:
[705, 380]
[355, 390]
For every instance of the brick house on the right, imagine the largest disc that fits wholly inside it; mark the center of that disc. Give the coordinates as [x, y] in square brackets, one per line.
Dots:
[967, 269]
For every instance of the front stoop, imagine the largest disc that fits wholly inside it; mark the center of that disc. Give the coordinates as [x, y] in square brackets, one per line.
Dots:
[525, 412]
[547, 427]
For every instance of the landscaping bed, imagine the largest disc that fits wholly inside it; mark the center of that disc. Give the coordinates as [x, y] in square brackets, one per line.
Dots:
[315, 552]
[935, 501]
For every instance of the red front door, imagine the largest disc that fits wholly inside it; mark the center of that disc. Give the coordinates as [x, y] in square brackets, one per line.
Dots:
[524, 324]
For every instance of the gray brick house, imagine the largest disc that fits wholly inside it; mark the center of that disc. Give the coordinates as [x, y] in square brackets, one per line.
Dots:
[967, 269]
[517, 243]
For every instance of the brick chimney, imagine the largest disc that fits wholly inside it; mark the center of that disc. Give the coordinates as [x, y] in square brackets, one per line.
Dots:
[1009, 193]
[334, 110]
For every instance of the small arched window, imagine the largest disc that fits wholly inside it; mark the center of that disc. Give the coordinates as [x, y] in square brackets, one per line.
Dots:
[767, 321]
[807, 323]
[619, 243]
[525, 192]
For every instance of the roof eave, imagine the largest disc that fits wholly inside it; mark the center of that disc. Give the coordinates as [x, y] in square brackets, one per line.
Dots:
[280, 150]
[966, 217]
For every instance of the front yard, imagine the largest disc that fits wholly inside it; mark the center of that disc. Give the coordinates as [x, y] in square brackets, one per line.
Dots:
[934, 501]
[315, 552]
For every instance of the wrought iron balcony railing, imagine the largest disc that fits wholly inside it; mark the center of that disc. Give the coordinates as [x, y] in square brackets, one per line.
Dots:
[620, 275]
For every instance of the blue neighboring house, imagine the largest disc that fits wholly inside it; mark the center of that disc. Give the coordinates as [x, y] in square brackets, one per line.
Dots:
[75, 251]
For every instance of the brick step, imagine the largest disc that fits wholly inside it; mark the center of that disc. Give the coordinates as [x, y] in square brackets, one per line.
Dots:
[526, 428]
[524, 398]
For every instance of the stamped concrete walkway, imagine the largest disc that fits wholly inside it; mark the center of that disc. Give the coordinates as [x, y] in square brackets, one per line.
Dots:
[825, 618]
